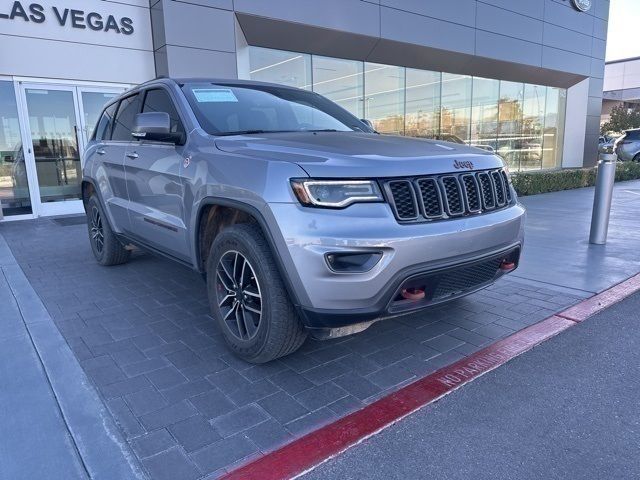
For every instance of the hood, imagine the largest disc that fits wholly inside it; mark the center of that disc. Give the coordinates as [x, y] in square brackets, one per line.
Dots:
[356, 154]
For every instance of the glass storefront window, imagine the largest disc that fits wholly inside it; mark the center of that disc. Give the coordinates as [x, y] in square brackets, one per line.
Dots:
[422, 110]
[534, 100]
[522, 123]
[553, 137]
[384, 97]
[341, 81]
[484, 112]
[509, 141]
[14, 186]
[455, 114]
[277, 66]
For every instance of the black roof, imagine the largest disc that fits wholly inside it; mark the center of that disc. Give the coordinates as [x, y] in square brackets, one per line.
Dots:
[227, 81]
[179, 81]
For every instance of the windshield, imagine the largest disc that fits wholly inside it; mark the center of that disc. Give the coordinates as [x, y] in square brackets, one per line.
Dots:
[232, 109]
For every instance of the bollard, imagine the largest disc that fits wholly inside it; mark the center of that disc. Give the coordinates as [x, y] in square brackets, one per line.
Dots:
[602, 199]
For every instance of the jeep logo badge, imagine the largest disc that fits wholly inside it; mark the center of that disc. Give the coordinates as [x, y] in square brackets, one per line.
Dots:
[582, 5]
[463, 165]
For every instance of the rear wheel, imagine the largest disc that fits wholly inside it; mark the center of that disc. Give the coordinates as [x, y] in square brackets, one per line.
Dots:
[248, 299]
[106, 247]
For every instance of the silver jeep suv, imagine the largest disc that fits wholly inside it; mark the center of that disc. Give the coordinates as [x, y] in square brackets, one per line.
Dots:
[302, 219]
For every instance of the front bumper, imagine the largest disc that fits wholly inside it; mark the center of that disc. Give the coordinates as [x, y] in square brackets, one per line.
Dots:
[327, 299]
[440, 284]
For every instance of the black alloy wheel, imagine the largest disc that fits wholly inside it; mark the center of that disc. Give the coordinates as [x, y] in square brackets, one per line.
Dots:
[239, 295]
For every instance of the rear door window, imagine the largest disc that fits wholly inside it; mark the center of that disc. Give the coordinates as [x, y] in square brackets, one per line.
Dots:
[127, 111]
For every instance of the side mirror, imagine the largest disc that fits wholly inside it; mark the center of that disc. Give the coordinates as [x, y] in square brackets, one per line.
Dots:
[155, 127]
[367, 123]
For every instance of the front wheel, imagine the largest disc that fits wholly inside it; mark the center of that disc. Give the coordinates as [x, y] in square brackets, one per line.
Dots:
[106, 247]
[248, 299]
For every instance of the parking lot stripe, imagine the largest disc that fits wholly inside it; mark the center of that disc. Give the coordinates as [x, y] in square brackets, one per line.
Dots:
[305, 453]
[605, 299]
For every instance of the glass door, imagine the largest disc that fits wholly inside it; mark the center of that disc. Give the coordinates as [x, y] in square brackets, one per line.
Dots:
[14, 185]
[58, 124]
[53, 148]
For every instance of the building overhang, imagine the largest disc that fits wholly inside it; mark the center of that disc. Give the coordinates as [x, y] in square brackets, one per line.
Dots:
[279, 34]
[626, 95]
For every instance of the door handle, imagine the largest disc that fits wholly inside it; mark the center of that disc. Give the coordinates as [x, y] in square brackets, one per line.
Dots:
[101, 151]
[132, 155]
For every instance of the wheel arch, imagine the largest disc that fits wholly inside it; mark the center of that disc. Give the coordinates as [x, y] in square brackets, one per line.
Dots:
[87, 189]
[202, 240]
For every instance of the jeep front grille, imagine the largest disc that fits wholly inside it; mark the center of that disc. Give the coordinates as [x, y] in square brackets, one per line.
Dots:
[404, 199]
[431, 197]
[449, 195]
[452, 196]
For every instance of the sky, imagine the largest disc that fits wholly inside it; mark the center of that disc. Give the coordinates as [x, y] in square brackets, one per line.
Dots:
[622, 37]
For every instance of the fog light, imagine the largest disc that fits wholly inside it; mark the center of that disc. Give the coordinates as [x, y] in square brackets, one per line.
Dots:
[507, 266]
[352, 262]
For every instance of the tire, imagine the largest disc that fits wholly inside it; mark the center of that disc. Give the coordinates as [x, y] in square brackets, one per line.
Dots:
[106, 247]
[255, 314]
[636, 158]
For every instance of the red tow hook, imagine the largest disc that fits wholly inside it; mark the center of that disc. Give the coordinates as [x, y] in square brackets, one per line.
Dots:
[412, 294]
[507, 266]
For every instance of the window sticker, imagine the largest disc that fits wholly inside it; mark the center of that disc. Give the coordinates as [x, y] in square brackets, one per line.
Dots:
[213, 95]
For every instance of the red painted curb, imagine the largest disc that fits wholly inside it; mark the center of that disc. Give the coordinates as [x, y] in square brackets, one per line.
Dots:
[303, 454]
[597, 303]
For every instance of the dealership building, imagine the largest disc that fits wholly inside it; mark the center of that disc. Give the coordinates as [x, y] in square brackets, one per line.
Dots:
[521, 77]
[621, 85]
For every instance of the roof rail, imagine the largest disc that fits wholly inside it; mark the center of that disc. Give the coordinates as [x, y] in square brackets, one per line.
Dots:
[159, 77]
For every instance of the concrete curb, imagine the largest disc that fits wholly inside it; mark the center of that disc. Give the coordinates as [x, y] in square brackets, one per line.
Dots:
[601, 301]
[100, 445]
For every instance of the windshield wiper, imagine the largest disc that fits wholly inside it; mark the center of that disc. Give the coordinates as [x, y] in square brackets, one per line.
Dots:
[251, 132]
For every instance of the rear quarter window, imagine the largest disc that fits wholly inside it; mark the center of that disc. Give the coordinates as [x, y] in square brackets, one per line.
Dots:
[105, 124]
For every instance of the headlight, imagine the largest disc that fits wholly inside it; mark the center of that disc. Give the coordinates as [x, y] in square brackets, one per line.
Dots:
[336, 193]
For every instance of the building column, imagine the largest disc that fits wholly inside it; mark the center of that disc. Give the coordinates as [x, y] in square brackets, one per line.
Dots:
[575, 127]
[191, 40]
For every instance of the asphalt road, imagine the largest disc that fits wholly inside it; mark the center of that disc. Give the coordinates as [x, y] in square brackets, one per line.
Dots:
[568, 409]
